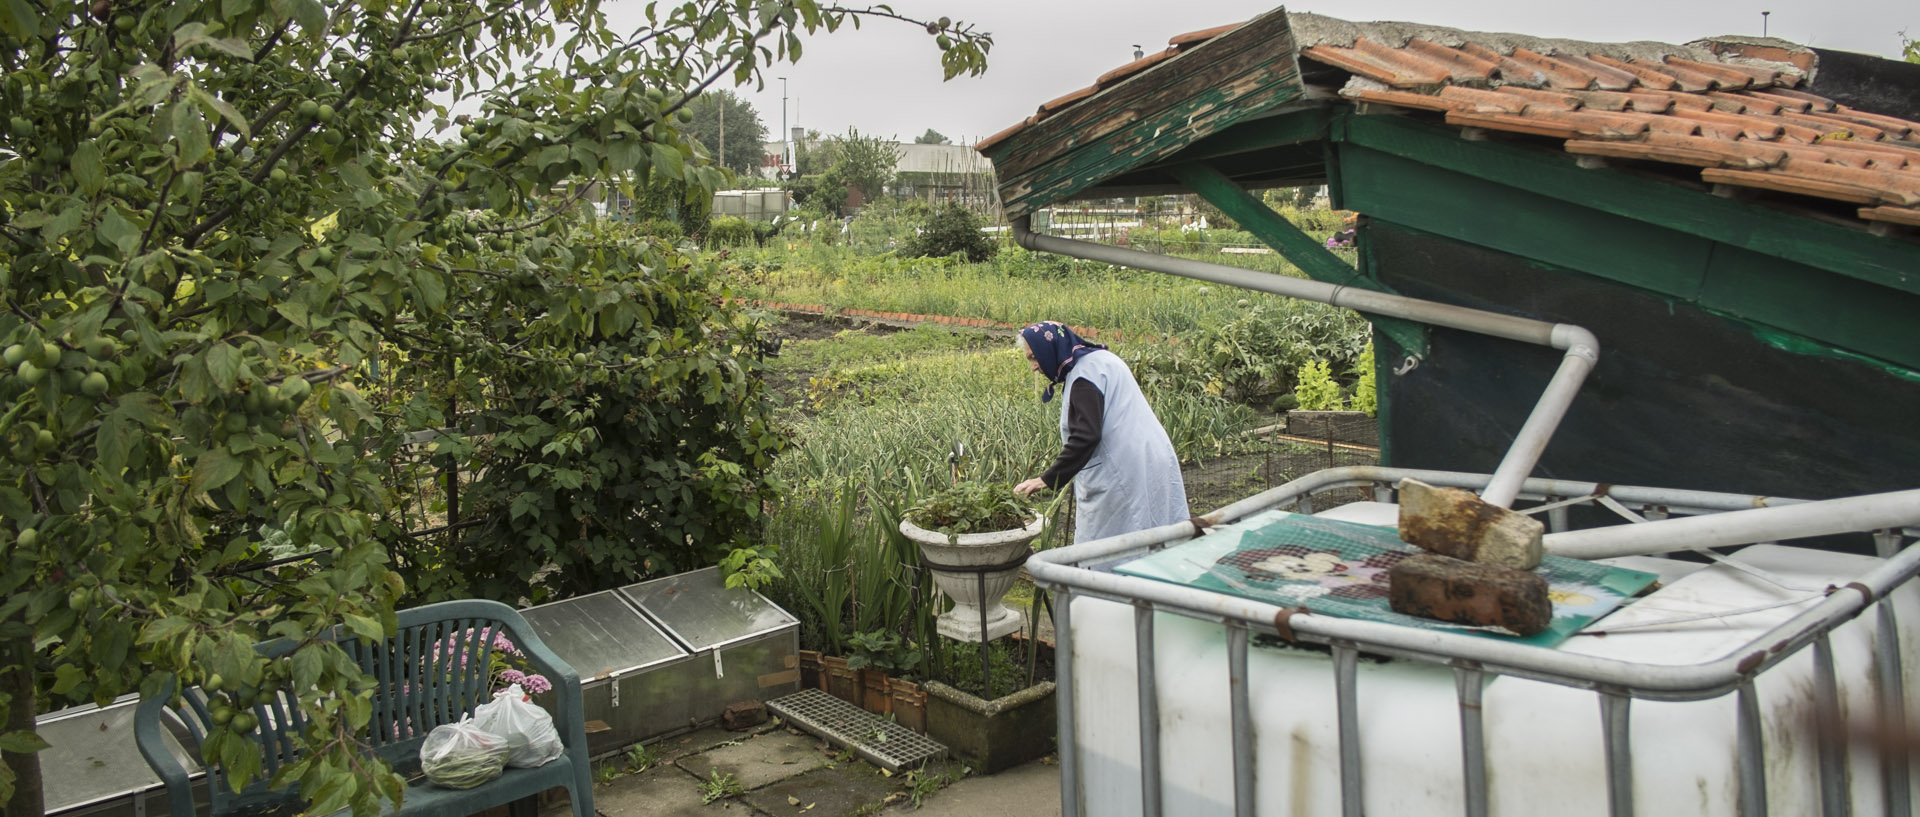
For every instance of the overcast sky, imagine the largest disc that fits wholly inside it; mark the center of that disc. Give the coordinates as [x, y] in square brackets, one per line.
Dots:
[885, 78]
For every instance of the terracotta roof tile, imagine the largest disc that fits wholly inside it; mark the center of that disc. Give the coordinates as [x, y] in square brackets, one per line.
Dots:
[1894, 215]
[1679, 126]
[1771, 180]
[1648, 77]
[1511, 70]
[1777, 96]
[1831, 127]
[1707, 153]
[1558, 74]
[1724, 106]
[1561, 100]
[1193, 38]
[1748, 154]
[1134, 67]
[1399, 71]
[1895, 128]
[1624, 100]
[1563, 124]
[1464, 67]
[1744, 103]
[1607, 77]
[1680, 101]
[1408, 99]
[1724, 75]
[1485, 101]
[1068, 98]
[1735, 126]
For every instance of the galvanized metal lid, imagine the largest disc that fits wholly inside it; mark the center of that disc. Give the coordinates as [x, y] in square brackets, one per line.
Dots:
[703, 613]
[91, 756]
[601, 636]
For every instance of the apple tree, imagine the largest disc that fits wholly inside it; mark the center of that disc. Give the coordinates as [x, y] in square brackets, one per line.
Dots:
[256, 255]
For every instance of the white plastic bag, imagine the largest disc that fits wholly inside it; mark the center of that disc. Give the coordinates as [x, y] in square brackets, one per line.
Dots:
[531, 738]
[462, 755]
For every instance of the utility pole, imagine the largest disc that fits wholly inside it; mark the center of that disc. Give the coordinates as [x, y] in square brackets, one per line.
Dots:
[723, 130]
[786, 151]
[1763, 22]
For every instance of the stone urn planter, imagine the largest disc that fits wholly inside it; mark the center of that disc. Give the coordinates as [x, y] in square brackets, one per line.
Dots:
[956, 562]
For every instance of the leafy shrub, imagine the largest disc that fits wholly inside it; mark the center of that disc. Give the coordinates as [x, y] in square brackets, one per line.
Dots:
[659, 228]
[729, 231]
[1366, 396]
[1317, 391]
[948, 231]
[1259, 354]
[973, 507]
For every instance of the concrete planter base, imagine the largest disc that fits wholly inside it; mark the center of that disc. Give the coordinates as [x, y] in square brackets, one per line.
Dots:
[995, 735]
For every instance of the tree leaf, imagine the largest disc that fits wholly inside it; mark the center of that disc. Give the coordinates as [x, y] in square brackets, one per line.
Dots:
[117, 231]
[87, 168]
[22, 741]
[223, 364]
[212, 470]
[163, 629]
[215, 106]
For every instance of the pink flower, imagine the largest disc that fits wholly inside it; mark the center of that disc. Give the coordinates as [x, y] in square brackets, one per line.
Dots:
[536, 684]
[514, 676]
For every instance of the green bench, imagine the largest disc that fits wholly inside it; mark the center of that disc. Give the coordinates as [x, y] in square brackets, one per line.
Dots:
[418, 688]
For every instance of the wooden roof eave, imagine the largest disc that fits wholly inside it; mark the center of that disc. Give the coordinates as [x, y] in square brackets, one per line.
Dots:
[1194, 94]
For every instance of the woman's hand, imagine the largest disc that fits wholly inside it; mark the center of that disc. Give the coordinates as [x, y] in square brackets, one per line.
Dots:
[1029, 486]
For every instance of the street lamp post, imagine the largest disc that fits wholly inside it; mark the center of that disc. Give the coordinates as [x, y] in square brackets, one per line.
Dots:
[786, 152]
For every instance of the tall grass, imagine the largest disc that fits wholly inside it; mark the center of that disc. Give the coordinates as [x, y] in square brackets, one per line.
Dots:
[1014, 287]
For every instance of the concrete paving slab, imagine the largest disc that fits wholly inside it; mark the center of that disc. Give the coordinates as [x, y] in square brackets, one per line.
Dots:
[663, 791]
[844, 791]
[1027, 790]
[700, 740]
[758, 760]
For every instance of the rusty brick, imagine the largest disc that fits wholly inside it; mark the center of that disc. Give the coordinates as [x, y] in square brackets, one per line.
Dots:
[1457, 523]
[1434, 586]
[743, 715]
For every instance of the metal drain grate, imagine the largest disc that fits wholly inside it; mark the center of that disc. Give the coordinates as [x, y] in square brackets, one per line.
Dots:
[882, 742]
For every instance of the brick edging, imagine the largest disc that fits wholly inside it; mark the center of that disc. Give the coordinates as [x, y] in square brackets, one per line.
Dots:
[1105, 336]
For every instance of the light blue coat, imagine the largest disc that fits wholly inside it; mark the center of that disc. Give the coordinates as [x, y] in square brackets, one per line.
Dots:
[1133, 479]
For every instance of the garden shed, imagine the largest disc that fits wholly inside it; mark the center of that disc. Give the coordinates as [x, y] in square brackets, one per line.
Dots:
[1736, 219]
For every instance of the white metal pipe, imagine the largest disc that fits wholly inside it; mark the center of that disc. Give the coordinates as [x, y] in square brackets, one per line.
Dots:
[1581, 347]
[1896, 509]
[1583, 351]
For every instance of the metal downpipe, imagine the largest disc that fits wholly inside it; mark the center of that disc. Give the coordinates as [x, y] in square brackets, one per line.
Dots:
[1582, 349]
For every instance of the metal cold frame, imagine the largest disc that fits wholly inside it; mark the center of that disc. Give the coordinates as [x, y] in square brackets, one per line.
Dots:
[1693, 519]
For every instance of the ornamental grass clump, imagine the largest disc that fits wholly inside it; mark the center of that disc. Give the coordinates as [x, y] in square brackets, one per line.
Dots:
[973, 507]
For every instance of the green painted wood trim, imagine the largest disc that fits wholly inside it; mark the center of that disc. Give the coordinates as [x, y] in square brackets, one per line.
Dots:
[1845, 313]
[1299, 127]
[1164, 109]
[1117, 153]
[1312, 257]
[1835, 248]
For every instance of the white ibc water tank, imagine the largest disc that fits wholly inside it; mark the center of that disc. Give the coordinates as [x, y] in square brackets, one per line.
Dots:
[1543, 741]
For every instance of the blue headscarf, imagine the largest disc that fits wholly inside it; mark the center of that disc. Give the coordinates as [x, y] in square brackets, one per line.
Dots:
[1056, 348]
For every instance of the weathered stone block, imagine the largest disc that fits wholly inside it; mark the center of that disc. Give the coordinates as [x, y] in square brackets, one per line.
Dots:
[743, 715]
[1458, 523]
[1449, 589]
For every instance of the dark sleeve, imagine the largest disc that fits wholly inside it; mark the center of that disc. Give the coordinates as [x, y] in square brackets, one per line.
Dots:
[1087, 409]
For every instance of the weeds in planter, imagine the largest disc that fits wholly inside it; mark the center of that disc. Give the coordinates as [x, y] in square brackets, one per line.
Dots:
[719, 786]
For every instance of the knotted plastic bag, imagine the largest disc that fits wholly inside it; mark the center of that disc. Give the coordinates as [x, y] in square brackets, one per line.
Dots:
[531, 738]
[462, 755]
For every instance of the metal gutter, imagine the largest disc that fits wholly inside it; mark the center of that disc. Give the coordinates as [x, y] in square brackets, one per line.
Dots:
[1581, 347]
